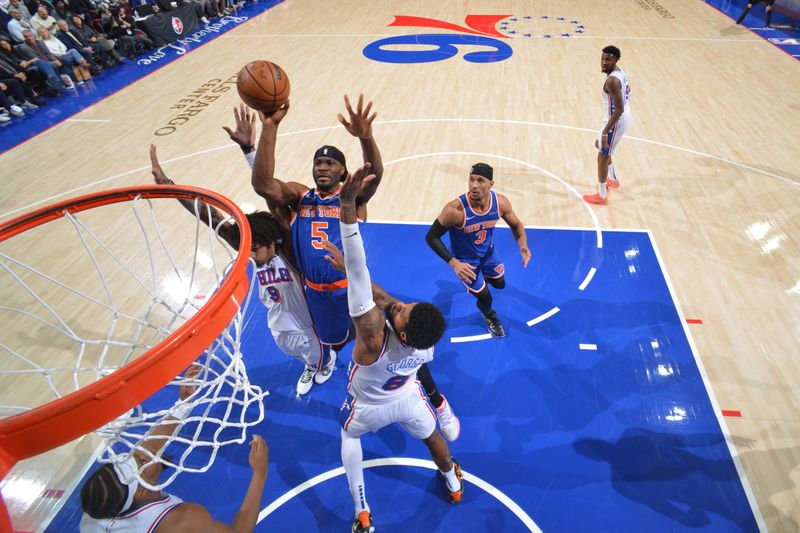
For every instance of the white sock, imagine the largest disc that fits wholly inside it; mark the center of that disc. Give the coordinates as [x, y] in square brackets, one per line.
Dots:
[353, 468]
[452, 479]
[602, 187]
[612, 173]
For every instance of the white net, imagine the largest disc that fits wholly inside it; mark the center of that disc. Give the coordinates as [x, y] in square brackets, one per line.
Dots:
[90, 292]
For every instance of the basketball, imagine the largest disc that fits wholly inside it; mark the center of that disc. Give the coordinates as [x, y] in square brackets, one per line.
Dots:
[263, 85]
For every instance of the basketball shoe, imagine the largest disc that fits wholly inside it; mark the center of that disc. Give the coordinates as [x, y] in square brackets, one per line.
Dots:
[306, 381]
[595, 199]
[455, 497]
[612, 184]
[495, 327]
[448, 421]
[363, 523]
[325, 372]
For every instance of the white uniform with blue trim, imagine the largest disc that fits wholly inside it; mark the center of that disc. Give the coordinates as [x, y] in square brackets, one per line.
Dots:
[618, 131]
[387, 392]
[142, 520]
[281, 291]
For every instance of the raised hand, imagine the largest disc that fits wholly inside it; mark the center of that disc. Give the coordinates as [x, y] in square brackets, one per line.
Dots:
[259, 455]
[360, 123]
[274, 118]
[245, 133]
[355, 184]
[336, 258]
[155, 168]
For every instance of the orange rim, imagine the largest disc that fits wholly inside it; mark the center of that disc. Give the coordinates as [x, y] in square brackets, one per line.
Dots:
[78, 413]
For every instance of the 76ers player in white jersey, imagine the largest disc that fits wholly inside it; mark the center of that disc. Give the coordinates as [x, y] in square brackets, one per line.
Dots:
[388, 351]
[113, 501]
[617, 105]
[279, 287]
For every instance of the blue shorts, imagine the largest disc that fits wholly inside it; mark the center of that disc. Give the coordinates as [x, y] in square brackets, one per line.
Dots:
[489, 266]
[330, 314]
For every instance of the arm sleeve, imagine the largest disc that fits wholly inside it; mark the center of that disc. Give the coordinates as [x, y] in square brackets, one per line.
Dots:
[359, 285]
[434, 240]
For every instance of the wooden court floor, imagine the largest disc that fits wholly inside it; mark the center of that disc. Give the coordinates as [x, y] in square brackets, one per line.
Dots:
[709, 165]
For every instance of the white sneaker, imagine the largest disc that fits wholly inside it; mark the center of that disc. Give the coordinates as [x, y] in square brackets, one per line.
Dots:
[16, 111]
[27, 104]
[325, 372]
[448, 422]
[204, 20]
[4, 117]
[306, 381]
[67, 81]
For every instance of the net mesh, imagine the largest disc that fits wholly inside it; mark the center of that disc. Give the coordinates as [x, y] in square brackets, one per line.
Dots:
[105, 286]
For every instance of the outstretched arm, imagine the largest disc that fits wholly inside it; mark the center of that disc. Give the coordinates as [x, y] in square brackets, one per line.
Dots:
[207, 214]
[360, 125]
[451, 215]
[274, 191]
[517, 228]
[335, 257]
[192, 517]
[367, 318]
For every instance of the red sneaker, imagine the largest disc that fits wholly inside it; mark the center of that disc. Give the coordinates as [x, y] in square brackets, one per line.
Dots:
[595, 199]
[612, 184]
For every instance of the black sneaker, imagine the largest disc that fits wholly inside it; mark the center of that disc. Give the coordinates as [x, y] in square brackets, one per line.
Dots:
[363, 523]
[495, 327]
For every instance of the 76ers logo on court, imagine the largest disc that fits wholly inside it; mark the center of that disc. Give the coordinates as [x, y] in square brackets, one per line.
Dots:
[480, 31]
[177, 25]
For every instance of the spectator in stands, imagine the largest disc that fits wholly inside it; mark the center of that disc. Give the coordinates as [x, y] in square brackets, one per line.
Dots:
[17, 25]
[95, 56]
[10, 74]
[68, 56]
[42, 19]
[89, 37]
[750, 5]
[123, 27]
[32, 49]
[25, 14]
[13, 88]
[61, 11]
[39, 74]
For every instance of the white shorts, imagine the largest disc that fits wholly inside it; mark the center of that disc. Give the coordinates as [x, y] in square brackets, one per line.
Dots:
[614, 135]
[302, 344]
[411, 411]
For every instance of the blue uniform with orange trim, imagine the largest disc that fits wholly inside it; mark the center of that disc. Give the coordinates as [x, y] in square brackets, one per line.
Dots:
[316, 220]
[472, 242]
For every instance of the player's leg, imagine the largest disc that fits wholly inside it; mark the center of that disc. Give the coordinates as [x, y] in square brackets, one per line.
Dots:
[769, 13]
[493, 269]
[448, 421]
[301, 346]
[603, 160]
[414, 415]
[744, 13]
[448, 467]
[353, 419]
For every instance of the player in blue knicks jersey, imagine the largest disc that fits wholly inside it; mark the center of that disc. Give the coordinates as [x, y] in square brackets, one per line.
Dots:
[314, 213]
[470, 220]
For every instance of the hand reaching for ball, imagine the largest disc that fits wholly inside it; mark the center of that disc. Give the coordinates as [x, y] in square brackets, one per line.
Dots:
[274, 118]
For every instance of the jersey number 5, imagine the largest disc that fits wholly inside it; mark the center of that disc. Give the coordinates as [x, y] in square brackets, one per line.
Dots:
[317, 233]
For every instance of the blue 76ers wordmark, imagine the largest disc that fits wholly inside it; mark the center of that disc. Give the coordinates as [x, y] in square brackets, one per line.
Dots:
[480, 31]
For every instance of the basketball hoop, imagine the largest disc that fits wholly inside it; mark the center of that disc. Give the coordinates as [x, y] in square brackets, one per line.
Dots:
[183, 301]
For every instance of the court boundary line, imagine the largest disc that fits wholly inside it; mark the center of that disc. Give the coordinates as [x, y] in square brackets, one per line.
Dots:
[490, 489]
[734, 453]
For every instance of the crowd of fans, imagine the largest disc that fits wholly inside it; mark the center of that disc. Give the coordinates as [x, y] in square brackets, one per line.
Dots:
[48, 47]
